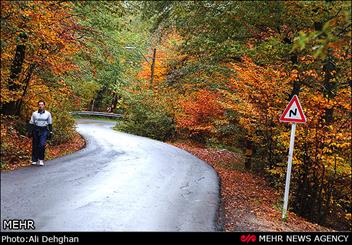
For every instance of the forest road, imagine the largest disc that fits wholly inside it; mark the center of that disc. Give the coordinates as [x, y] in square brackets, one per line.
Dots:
[118, 182]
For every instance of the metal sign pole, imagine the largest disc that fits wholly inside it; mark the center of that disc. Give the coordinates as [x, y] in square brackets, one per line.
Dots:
[288, 174]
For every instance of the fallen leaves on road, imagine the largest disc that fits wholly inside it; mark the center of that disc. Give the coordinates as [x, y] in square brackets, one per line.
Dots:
[249, 203]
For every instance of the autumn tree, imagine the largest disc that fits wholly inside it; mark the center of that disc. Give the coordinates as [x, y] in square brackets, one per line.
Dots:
[257, 60]
[38, 41]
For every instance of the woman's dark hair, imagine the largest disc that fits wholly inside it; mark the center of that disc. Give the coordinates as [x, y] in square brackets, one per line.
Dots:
[41, 101]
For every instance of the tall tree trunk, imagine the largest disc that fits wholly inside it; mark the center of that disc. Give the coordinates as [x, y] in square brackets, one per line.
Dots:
[329, 87]
[10, 108]
[329, 91]
[320, 197]
[248, 154]
[297, 83]
[114, 101]
[92, 107]
[26, 81]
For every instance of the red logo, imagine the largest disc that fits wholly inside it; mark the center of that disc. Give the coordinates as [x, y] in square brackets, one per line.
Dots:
[248, 238]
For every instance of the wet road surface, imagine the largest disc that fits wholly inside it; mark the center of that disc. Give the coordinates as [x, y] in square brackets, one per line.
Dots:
[119, 182]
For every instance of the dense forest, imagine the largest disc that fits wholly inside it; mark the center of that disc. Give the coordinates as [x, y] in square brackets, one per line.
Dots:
[217, 73]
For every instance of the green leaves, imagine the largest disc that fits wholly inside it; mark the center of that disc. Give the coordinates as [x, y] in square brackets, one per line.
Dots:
[147, 117]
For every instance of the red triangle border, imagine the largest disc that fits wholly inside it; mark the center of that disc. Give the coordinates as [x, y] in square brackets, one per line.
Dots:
[299, 107]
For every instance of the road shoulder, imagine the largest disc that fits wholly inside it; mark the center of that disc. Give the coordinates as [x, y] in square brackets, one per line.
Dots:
[248, 202]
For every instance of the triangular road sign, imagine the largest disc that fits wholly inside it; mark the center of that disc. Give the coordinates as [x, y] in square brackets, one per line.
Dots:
[293, 112]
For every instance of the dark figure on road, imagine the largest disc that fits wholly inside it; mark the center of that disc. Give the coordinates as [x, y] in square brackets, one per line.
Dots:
[40, 128]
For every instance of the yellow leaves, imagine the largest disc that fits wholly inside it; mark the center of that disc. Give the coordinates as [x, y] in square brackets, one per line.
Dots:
[275, 171]
[257, 95]
[203, 128]
[260, 99]
[110, 59]
[293, 75]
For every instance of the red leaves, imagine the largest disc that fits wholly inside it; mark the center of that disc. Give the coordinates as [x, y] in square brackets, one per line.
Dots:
[198, 111]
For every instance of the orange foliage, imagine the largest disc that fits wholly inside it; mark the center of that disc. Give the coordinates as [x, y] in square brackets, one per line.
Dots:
[165, 53]
[257, 93]
[50, 45]
[198, 111]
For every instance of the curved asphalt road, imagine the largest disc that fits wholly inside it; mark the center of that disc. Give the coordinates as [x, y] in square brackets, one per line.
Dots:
[119, 182]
